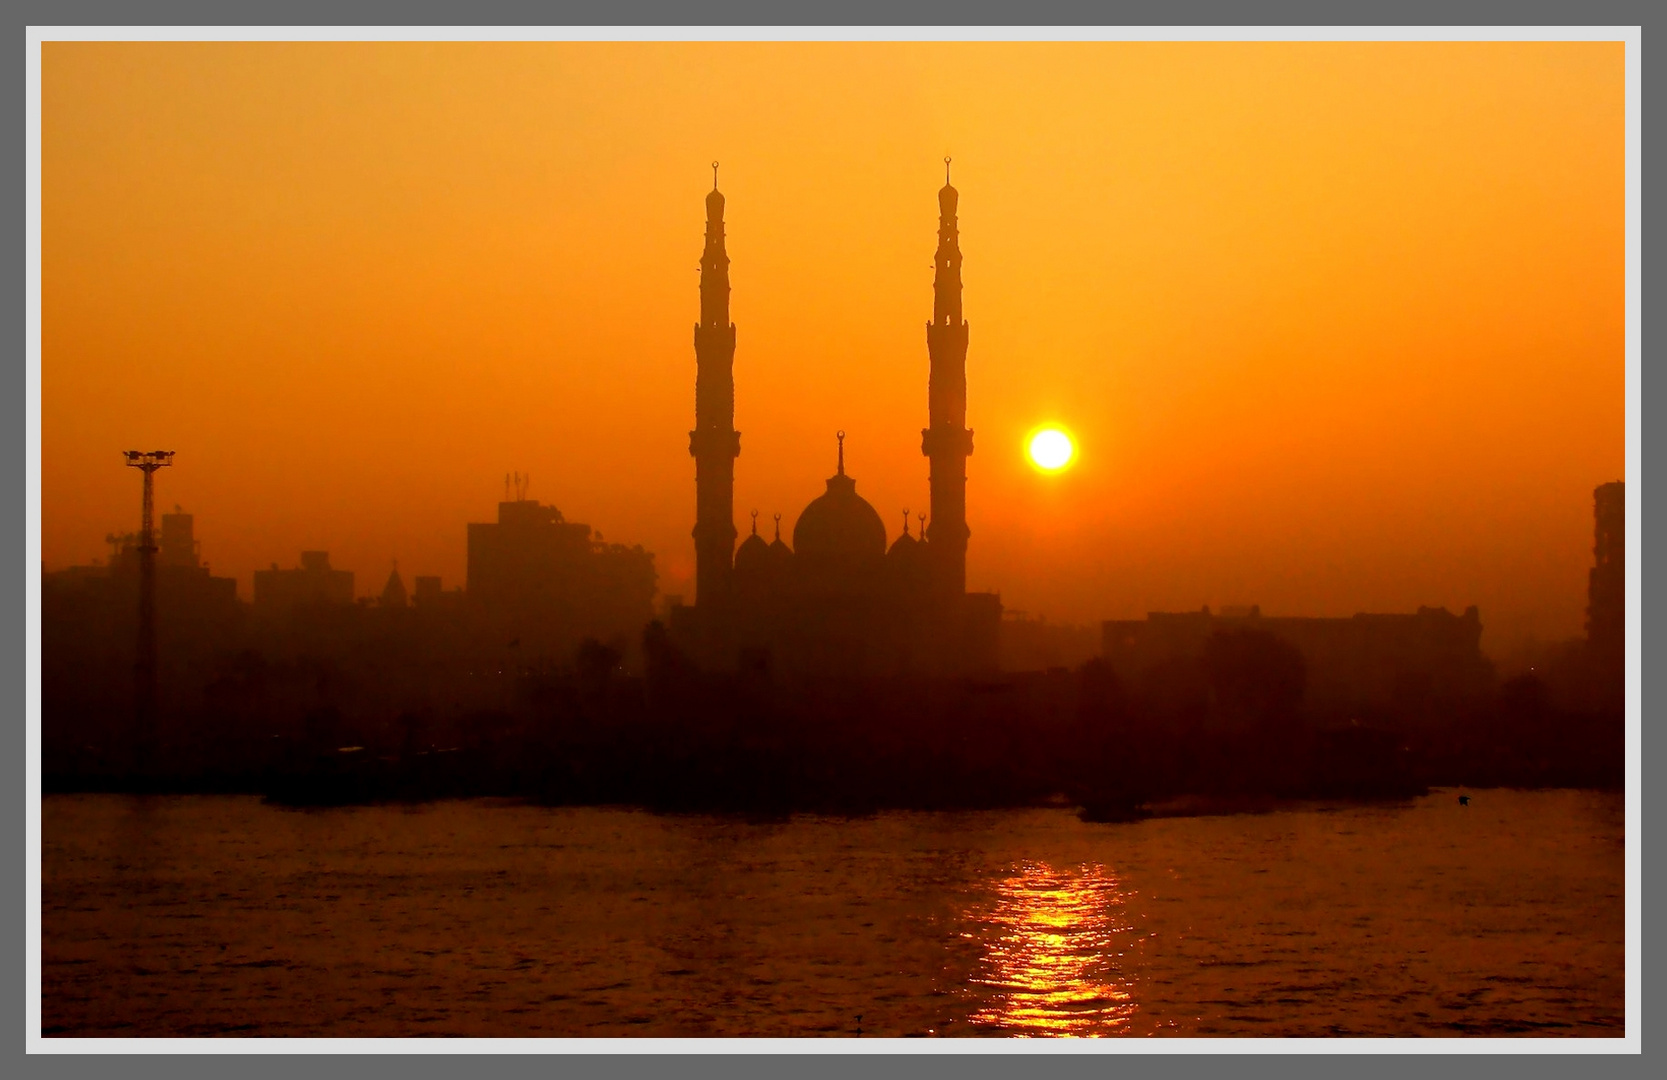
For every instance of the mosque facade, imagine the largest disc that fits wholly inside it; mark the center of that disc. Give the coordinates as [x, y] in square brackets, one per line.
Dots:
[839, 599]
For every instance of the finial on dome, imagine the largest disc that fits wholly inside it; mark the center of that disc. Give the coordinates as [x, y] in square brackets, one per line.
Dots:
[715, 176]
[778, 526]
[946, 162]
[922, 519]
[755, 522]
[905, 521]
[841, 437]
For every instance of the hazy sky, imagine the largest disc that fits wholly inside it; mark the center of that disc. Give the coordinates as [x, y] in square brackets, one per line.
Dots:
[1339, 327]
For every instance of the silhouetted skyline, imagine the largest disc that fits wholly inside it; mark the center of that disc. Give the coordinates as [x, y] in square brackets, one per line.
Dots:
[1364, 310]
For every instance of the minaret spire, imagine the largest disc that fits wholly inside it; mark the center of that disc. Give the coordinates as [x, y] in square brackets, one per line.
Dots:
[714, 443]
[947, 442]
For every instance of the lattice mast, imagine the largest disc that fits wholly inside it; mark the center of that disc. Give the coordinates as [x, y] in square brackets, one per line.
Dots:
[144, 665]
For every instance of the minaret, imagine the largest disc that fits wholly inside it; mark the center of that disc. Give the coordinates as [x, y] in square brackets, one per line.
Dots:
[947, 443]
[714, 443]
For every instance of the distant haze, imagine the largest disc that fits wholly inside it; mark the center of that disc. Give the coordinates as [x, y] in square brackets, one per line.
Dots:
[1336, 327]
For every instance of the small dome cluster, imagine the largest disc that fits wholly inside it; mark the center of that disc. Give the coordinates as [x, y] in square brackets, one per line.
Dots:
[839, 542]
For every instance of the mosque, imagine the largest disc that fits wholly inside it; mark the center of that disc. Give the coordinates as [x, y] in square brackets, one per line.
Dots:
[838, 600]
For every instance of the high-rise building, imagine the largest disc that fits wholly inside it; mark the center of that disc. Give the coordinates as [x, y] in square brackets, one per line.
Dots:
[1606, 583]
[178, 547]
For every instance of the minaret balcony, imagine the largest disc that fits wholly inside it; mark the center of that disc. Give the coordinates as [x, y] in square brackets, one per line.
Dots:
[946, 440]
[714, 442]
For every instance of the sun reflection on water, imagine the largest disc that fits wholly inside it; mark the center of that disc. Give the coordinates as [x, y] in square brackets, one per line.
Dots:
[1054, 942]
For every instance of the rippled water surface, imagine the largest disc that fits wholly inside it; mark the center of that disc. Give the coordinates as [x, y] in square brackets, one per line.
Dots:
[204, 916]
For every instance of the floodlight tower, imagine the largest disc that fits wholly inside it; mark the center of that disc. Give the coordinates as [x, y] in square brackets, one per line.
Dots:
[144, 667]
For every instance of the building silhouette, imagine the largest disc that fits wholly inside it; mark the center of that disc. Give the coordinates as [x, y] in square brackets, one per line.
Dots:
[1406, 664]
[186, 590]
[178, 546]
[1606, 583]
[427, 593]
[393, 593]
[312, 584]
[838, 600]
[90, 618]
[546, 582]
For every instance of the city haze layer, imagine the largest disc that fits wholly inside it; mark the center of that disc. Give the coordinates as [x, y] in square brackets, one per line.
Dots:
[1336, 327]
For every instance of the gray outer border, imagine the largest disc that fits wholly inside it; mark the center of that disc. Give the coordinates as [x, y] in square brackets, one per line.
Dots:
[857, 13]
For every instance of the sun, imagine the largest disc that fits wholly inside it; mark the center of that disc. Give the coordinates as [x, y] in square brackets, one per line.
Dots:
[1050, 449]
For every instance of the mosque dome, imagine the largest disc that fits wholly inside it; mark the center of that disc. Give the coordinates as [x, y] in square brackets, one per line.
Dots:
[839, 524]
[905, 549]
[906, 562]
[780, 553]
[753, 556]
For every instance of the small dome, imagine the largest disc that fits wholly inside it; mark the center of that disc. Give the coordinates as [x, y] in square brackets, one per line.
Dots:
[780, 553]
[753, 556]
[903, 547]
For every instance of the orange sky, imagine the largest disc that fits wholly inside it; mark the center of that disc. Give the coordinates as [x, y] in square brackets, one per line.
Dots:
[1339, 326]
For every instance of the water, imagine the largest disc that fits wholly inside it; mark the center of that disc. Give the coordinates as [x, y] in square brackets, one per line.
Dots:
[223, 916]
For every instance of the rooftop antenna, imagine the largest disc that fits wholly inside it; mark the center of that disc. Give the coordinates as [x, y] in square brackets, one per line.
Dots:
[506, 487]
[144, 667]
[714, 176]
[841, 437]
